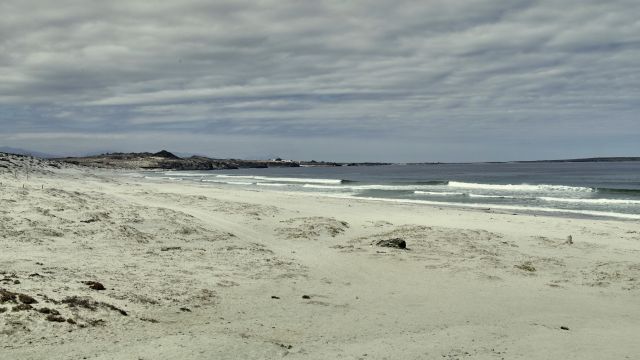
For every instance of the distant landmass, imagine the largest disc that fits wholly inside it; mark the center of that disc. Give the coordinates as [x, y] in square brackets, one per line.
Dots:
[18, 151]
[170, 161]
[593, 159]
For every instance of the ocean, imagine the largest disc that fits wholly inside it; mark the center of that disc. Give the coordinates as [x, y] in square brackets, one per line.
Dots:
[588, 189]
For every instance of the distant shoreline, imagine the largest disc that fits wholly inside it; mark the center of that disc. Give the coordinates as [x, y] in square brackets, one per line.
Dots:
[168, 161]
[581, 160]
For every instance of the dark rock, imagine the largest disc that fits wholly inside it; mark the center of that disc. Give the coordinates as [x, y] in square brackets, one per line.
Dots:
[526, 266]
[122, 312]
[184, 309]
[2, 309]
[7, 296]
[71, 321]
[22, 307]
[95, 285]
[569, 240]
[275, 297]
[48, 311]
[55, 318]
[396, 243]
[26, 299]
[96, 322]
[564, 328]
[165, 154]
[307, 297]
[170, 248]
[16, 282]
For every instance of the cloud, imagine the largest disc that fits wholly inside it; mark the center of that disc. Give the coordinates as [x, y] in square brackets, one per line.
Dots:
[426, 75]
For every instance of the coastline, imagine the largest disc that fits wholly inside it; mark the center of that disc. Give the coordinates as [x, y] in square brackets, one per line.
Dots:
[439, 193]
[473, 283]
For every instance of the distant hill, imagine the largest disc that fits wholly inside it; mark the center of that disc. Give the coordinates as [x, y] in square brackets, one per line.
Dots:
[18, 151]
[169, 161]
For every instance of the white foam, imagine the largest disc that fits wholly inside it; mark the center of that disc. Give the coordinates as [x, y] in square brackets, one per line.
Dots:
[272, 184]
[413, 188]
[228, 182]
[162, 178]
[592, 201]
[389, 187]
[518, 187]
[493, 196]
[328, 187]
[284, 179]
[434, 193]
[496, 206]
[236, 176]
[185, 174]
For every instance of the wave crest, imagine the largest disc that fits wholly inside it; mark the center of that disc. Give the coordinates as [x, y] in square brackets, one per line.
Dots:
[285, 179]
[519, 187]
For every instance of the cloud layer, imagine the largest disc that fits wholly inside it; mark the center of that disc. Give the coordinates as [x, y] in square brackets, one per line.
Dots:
[434, 80]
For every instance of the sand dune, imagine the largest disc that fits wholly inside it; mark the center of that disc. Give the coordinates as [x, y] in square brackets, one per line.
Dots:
[195, 271]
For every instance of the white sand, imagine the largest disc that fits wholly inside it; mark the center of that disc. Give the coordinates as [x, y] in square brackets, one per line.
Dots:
[222, 253]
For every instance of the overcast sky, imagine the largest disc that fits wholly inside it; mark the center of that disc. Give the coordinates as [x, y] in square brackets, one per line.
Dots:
[431, 80]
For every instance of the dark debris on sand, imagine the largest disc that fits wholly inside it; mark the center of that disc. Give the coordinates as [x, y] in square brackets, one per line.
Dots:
[94, 285]
[90, 304]
[396, 243]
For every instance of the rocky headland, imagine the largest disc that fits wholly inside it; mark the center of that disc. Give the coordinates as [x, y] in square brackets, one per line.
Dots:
[168, 161]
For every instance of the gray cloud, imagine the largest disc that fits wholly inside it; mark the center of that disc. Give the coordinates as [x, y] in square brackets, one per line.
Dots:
[485, 80]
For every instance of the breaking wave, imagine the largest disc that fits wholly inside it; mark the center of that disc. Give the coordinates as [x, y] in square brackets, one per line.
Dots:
[442, 193]
[519, 187]
[286, 179]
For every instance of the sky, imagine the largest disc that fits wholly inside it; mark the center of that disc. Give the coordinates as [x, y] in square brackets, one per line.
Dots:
[405, 81]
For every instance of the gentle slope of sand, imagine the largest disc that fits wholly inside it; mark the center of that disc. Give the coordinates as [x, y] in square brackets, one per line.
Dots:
[213, 272]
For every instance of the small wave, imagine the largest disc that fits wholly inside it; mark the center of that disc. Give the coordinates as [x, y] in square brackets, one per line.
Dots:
[592, 201]
[432, 182]
[162, 178]
[493, 196]
[327, 187]
[236, 176]
[286, 179]
[498, 206]
[186, 174]
[272, 184]
[519, 187]
[391, 187]
[228, 182]
[442, 193]
[369, 187]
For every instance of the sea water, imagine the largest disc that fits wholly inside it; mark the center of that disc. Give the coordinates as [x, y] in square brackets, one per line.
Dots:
[600, 189]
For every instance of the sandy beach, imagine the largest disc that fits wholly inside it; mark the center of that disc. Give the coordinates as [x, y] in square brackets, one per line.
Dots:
[193, 271]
